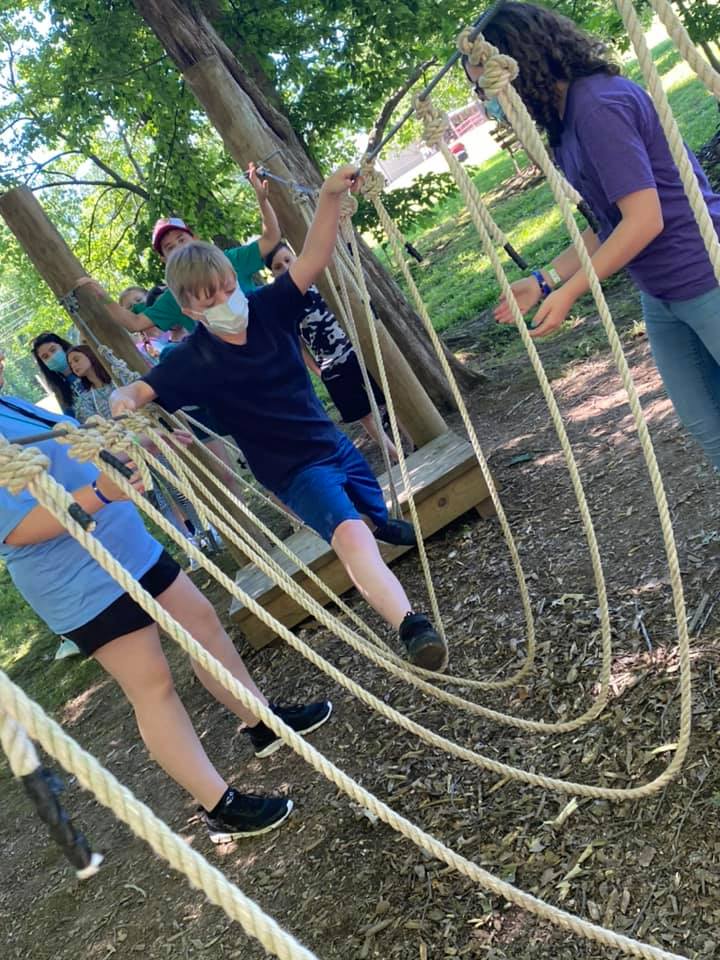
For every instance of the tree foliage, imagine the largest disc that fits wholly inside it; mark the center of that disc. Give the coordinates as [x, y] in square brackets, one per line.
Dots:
[94, 115]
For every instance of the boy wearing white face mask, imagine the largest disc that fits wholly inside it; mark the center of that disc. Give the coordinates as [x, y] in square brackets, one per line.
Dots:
[244, 363]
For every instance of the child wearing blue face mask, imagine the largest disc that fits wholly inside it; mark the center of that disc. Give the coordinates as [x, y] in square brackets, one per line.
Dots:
[50, 352]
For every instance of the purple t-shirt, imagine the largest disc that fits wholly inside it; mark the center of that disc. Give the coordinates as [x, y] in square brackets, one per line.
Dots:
[613, 145]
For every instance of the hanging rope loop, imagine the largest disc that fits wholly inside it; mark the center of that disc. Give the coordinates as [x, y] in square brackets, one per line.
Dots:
[348, 207]
[499, 69]
[373, 182]
[435, 122]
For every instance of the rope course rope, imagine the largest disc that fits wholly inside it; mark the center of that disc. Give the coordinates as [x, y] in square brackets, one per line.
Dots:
[22, 468]
[681, 38]
[498, 72]
[146, 825]
[343, 300]
[672, 133]
[83, 450]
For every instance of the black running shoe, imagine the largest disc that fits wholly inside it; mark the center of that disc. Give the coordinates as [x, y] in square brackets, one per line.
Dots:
[398, 532]
[425, 646]
[245, 815]
[302, 719]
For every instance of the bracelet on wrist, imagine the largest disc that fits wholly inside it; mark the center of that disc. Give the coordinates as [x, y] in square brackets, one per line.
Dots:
[555, 278]
[101, 496]
[545, 289]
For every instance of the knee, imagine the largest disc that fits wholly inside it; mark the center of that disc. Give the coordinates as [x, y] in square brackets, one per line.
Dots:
[202, 620]
[350, 535]
[154, 685]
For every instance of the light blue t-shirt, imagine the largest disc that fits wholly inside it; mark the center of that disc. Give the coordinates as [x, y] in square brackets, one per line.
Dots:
[58, 577]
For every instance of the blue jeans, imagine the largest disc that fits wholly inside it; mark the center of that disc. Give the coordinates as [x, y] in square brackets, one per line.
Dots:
[342, 487]
[685, 341]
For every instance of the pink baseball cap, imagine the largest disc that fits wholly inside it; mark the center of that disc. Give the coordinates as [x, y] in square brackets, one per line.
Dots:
[165, 225]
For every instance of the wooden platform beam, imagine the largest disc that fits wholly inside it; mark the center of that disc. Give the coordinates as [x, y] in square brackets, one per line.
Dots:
[446, 482]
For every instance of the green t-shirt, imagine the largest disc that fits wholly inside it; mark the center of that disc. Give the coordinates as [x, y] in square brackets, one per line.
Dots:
[165, 313]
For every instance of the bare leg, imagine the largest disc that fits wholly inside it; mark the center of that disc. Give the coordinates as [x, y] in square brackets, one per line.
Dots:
[188, 606]
[137, 662]
[380, 438]
[358, 551]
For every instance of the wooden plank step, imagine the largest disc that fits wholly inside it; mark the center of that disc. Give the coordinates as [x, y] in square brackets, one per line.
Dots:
[446, 482]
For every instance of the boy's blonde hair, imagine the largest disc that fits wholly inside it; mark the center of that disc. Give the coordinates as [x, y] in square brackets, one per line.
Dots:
[124, 294]
[197, 269]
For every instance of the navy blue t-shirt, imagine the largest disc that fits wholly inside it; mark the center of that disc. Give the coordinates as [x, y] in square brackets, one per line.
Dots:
[261, 390]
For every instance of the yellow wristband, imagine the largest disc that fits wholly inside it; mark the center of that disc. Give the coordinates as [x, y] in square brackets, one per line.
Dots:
[555, 278]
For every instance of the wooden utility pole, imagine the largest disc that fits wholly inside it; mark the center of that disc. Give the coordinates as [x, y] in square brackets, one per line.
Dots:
[253, 129]
[60, 269]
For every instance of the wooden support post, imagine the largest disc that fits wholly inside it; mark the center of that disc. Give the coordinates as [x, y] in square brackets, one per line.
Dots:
[60, 268]
[247, 138]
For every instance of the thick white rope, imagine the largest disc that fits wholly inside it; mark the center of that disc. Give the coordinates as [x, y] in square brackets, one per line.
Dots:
[147, 825]
[343, 300]
[27, 468]
[681, 38]
[19, 748]
[83, 450]
[499, 70]
[672, 132]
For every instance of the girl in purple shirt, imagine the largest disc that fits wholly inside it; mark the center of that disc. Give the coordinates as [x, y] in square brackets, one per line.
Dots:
[606, 138]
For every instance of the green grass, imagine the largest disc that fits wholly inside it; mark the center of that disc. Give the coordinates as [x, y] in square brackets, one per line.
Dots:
[456, 280]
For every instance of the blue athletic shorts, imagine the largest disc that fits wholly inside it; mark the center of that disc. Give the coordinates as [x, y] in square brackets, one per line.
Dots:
[342, 487]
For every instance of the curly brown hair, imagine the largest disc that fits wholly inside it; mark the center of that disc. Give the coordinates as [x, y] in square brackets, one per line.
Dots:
[548, 47]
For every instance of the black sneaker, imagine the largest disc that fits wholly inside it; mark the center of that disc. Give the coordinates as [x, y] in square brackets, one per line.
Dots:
[245, 815]
[302, 719]
[425, 646]
[398, 532]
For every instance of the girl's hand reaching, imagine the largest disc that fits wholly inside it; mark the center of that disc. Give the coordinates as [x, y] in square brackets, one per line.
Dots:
[527, 293]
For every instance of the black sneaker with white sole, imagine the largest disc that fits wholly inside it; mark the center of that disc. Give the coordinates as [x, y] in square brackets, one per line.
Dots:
[240, 815]
[398, 532]
[425, 647]
[301, 719]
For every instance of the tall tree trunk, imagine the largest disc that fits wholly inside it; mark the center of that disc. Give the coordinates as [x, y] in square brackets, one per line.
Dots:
[190, 39]
[60, 269]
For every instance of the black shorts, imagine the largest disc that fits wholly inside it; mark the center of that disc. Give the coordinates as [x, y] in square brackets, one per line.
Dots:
[124, 615]
[346, 387]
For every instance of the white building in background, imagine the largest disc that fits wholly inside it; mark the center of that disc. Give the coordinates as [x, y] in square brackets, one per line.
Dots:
[401, 168]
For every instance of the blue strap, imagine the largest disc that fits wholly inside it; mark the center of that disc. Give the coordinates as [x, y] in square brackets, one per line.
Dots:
[545, 288]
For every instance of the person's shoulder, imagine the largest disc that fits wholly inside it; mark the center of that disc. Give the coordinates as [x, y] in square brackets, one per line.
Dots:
[175, 362]
[165, 311]
[245, 257]
[606, 93]
[36, 408]
[280, 293]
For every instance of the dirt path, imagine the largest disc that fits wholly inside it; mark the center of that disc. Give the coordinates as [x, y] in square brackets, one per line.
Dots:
[351, 889]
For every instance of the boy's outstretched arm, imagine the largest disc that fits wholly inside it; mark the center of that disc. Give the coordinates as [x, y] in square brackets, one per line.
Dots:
[131, 397]
[320, 240]
[271, 235]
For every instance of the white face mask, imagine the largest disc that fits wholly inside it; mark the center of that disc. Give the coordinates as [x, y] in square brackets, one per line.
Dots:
[230, 317]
